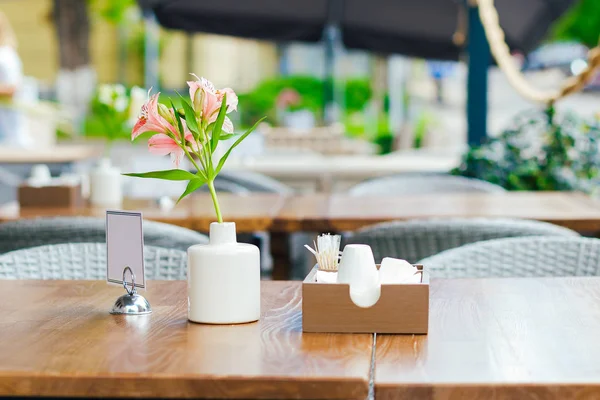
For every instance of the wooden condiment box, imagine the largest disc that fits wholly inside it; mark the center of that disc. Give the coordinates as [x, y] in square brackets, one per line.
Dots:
[401, 308]
[50, 196]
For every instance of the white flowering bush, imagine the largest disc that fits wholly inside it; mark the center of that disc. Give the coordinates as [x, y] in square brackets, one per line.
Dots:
[116, 109]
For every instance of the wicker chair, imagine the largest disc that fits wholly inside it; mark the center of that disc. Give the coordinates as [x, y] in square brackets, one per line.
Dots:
[519, 257]
[26, 233]
[422, 183]
[254, 182]
[225, 186]
[416, 239]
[85, 261]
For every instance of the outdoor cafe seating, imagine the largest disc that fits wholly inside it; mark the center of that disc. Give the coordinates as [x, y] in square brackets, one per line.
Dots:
[317, 199]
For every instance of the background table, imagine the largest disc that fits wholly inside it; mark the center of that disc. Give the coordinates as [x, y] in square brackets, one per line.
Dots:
[341, 212]
[57, 339]
[498, 339]
[283, 215]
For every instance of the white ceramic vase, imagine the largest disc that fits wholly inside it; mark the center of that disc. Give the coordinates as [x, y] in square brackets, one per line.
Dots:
[223, 279]
[106, 185]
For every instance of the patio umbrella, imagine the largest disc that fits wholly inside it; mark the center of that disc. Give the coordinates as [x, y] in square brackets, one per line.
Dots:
[421, 28]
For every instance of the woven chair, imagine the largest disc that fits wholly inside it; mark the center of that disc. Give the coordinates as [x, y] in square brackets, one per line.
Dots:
[416, 239]
[519, 257]
[254, 182]
[26, 233]
[85, 261]
[224, 186]
[422, 183]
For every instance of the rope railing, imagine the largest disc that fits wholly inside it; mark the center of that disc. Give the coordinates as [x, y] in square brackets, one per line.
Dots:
[501, 52]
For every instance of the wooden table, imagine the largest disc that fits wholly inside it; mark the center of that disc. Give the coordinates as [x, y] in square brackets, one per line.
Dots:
[57, 339]
[498, 339]
[522, 338]
[282, 215]
[251, 213]
[340, 212]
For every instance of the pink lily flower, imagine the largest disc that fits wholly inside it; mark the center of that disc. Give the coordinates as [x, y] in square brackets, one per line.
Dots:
[213, 98]
[150, 120]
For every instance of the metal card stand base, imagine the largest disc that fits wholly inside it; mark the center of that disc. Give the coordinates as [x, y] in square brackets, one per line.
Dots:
[131, 303]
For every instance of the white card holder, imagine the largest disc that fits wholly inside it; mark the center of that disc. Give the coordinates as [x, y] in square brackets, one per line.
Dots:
[125, 254]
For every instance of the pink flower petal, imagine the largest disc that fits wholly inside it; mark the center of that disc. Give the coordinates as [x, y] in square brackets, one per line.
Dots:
[162, 145]
[232, 99]
[227, 125]
[150, 120]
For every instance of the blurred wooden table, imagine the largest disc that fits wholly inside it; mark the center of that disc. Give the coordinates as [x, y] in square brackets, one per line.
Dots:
[282, 215]
[498, 339]
[573, 210]
[251, 213]
[340, 212]
[57, 339]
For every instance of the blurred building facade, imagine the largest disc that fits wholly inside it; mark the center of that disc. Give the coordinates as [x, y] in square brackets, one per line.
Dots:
[226, 60]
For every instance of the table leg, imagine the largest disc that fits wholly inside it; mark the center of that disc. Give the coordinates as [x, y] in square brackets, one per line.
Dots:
[280, 249]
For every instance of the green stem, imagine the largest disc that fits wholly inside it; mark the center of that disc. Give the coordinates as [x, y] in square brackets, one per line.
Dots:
[213, 194]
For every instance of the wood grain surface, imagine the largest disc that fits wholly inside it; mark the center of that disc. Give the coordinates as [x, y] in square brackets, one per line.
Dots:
[498, 339]
[340, 212]
[571, 209]
[57, 339]
[250, 213]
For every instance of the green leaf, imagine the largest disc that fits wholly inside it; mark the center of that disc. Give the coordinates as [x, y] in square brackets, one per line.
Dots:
[192, 186]
[178, 118]
[190, 117]
[216, 132]
[169, 175]
[224, 158]
[227, 136]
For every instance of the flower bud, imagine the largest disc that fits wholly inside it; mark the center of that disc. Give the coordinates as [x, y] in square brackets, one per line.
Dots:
[198, 101]
[164, 112]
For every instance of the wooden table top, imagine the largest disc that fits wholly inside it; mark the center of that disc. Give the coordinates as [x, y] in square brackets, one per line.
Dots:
[341, 212]
[571, 209]
[506, 338]
[251, 213]
[57, 339]
[498, 339]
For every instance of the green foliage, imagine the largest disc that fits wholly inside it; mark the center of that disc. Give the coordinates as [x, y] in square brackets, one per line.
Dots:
[581, 23]
[540, 151]
[424, 123]
[357, 94]
[170, 175]
[385, 141]
[113, 11]
[112, 111]
[263, 99]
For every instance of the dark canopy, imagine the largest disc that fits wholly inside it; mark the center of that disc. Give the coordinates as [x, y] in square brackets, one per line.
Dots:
[422, 28]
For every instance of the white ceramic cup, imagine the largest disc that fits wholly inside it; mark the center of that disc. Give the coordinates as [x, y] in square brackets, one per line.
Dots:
[41, 173]
[357, 268]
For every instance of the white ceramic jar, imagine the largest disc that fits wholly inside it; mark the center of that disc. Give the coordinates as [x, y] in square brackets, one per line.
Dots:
[223, 279]
[106, 185]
